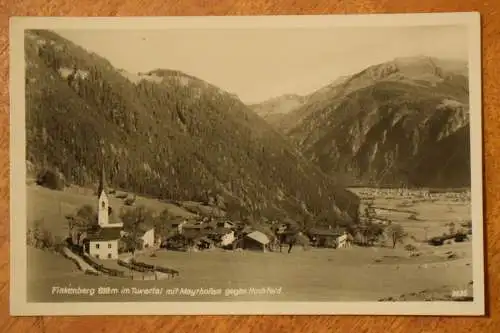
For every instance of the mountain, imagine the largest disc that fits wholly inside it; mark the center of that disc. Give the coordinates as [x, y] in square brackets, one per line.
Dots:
[274, 109]
[166, 134]
[403, 122]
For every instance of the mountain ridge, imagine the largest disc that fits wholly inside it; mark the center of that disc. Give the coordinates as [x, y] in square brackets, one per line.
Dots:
[275, 108]
[166, 134]
[363, 125]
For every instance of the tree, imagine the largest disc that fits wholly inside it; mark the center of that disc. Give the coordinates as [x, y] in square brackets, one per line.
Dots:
[40, 237]
[410, 248]
[131, 243]
[87, 214]
[370, 213]
[396, 233]
[133, 219]
[374, 232]
[50, 179]
[451, 228]
[161, 223]
[426, 229]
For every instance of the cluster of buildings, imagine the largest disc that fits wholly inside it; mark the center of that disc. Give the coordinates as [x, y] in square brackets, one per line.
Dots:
[410, 193]
[210, 233]
[221, 233]
[106, 239]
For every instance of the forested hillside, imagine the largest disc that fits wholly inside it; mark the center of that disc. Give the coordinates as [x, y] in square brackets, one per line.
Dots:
[165, 134]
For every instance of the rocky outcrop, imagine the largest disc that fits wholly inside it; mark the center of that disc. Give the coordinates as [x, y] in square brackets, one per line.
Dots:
[404, 122]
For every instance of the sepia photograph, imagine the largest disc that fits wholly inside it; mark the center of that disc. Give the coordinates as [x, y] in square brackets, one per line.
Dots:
[325, 164]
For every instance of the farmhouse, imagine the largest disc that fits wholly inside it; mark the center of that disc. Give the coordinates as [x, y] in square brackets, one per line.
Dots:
[256, 240]
[222, 236]
[146, 235]
[195, 229]
[177, 225]
[323, 237]
[226, 225]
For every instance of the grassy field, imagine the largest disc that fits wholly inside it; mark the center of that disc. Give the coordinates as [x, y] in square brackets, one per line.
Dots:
[52, 206]
[430, 216]
[351, 274]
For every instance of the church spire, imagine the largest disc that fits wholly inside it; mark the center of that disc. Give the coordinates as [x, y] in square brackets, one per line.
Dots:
[102, 182]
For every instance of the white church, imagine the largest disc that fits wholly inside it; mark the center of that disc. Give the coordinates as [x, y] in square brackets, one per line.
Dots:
[103, 241]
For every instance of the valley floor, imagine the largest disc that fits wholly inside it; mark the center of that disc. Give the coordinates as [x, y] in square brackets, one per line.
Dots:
[350, 274]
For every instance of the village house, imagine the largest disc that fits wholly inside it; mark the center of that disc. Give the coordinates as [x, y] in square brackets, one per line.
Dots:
[344, 240]
[146, 236]
[226, 225]
[178, 225]
[222, 236]
[194, 228]
[256, 240]
[327, 237]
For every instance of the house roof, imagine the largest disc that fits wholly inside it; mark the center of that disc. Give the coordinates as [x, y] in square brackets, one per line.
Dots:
[220, 231]
[193, 233]
[104, 234]
[224, 222]
[196, 225]
[325, 232]
[259, 237]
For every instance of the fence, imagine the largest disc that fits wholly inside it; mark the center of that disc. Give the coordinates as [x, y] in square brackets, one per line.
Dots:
[146, 268]
[101, 268]
[79, 261]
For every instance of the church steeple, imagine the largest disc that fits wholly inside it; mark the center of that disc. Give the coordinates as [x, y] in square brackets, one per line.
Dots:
[103, 202]
[102, 183]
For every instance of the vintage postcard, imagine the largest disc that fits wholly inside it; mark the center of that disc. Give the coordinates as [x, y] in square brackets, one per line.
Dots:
[324, 164]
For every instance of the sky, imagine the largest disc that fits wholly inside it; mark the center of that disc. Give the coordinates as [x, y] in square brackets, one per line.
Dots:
[261, 64]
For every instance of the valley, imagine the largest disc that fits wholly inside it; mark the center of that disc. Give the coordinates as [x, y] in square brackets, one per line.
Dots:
[306, 274]
[355, 179]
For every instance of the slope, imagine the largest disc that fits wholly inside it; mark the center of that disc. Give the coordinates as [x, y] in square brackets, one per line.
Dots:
[388, 125]
[274, 109]
[165, 134]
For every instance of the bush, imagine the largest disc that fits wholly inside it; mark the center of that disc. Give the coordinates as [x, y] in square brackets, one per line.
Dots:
[40, 237]
[88, 214]
[50, 179]
[413, 217]
[436, 241]
[461, 237]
